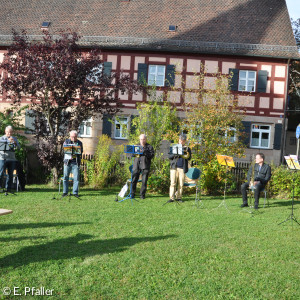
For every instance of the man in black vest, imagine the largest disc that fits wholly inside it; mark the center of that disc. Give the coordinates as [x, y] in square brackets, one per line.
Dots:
[72, 164]
[179, 166]
[262, 174]
[142, 164]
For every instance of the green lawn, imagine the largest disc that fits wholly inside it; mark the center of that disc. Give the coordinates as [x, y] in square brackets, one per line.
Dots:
[95, 248]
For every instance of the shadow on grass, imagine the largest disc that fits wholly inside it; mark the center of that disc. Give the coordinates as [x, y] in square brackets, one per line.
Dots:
[11, 239]
[284, 203]
[73, 247]
[37, 225]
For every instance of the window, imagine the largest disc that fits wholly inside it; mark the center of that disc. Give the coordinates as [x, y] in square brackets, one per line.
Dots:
[85, 129]
[156, 75]
[260, 136]
[229, 134]
[247, 81]
[45, 24]
[172, 28]
[121, 128]
[95, 74]
[195, 134]
[98, 71]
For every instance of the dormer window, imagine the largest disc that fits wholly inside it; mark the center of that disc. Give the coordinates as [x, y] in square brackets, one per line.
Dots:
[45, 25]
[172, 28]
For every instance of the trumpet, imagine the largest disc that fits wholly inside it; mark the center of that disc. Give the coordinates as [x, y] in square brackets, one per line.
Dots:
[251, 185]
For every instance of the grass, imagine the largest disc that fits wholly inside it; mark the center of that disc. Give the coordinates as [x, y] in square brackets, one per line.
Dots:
[95, 248]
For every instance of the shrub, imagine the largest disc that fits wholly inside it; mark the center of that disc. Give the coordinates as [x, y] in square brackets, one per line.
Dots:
[105, 169]
[281, 183]
[213, 178]
[159, 179]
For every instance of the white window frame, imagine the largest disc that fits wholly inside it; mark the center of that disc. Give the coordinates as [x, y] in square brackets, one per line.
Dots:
[247, 80]
[235, 134]
[117, 122]
[260, 131]
[225, 134]
[155, 74]
[84, 125]
[196, 138]
[98, 70]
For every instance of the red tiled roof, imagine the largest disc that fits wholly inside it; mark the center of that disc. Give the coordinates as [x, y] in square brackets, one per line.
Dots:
[241, 27]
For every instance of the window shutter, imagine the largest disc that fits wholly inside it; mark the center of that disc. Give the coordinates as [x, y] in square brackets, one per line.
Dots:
[142, 73]
[234, 84]
[277, 137]
[106, 129]
[107, 66]
[247, 132]
[29, 121]
[170, 75]
[262, 79]
[132, 127]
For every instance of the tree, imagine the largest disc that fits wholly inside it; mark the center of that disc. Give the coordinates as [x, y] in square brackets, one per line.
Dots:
[65, 85]
[213, 122]
[295, 71]
[296, 29]
[157, 119]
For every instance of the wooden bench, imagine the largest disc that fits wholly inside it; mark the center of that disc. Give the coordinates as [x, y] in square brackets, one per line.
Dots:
[5, 211]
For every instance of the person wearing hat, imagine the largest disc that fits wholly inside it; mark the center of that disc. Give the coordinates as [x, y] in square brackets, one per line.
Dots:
[179, 166]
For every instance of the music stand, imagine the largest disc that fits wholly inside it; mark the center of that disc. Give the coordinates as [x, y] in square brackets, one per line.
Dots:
[70, 150]
[228, 162]
[293, 165]
[134, 150]
[5, 146]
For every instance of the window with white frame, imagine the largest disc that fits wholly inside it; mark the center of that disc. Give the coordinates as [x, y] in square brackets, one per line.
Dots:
[247, 80]
[121, 127]
[230, 134]
[260, 136]
[194, 133]
[156, 75]
[95, 74]
[85, 128]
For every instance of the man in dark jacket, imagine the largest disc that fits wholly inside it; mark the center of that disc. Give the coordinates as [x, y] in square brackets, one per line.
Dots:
[142, 164]
[262, 174]
[179, 166]
[72, 164]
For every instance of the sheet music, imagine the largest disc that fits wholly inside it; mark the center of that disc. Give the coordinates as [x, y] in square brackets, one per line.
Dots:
[176, 149]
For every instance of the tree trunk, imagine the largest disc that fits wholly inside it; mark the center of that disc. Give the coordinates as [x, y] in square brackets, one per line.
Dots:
[54, 179]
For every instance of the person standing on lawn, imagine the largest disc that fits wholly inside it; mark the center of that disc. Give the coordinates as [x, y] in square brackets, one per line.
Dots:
[72, 164]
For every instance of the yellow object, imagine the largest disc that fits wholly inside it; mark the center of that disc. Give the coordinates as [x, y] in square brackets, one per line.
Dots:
[225, 160]
[292, 162]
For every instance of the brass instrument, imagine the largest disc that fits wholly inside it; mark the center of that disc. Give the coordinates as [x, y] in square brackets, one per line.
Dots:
[7, 144]
[186, 154]
[251, 185]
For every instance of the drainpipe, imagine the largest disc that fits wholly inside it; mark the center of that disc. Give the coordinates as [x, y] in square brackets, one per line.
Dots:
[284, 125]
